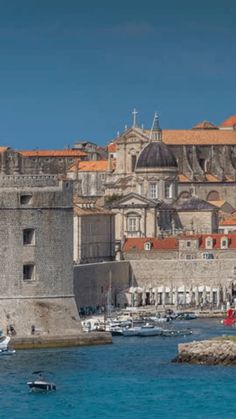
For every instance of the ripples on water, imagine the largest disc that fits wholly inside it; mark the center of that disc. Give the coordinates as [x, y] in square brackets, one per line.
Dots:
[133, 378]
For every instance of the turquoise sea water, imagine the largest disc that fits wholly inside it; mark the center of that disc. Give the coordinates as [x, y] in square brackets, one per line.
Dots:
[133, 378]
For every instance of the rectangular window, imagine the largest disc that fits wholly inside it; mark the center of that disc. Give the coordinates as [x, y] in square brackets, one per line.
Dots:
[132, 224]
[207, 256]
[188, 243]
[189, 257]
[28, 272]
[153, 190]
[28, 236]
[168, 190]
[25, 199]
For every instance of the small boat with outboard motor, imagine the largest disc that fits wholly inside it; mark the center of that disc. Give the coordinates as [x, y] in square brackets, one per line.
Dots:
[40, 385]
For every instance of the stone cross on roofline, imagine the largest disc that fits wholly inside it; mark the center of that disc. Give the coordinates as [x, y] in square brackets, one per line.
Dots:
[134, 113]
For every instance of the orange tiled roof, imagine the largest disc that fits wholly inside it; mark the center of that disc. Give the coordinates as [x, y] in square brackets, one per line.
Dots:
[228, 222]
[53, 153]
[229, 122]
[2, 149]
[172, 243]
[161, 244]
[111, 147]
[197, 137]
[90, 166]
[211, 178]
[205, 125]
[183, 178]
[218, 203]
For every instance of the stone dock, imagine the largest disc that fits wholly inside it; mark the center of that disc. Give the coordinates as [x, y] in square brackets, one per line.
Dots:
[208, 352]
[43, 342]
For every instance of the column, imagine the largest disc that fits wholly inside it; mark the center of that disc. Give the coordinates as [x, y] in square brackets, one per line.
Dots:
[164, 296]
[196, 297]
[211, 295]
[218, 296]
[224, 294]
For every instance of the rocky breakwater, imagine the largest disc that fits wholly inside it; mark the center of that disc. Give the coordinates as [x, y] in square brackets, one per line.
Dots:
[208, 352]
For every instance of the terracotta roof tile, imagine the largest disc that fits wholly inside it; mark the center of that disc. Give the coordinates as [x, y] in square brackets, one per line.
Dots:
[205, 125]
[93, 166]
[229, 122]
[228, 221]
[112, 147]
[212, 178]
[197, 137]
[172, 243]
[53, 153]
[183, 178]
[219, 203]
[161, 244]
[2, 149]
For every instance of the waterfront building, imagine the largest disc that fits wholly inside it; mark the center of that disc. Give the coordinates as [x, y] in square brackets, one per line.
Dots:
[94, 232]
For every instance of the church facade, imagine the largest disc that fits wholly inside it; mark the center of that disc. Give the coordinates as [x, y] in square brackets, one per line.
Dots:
[144, 189]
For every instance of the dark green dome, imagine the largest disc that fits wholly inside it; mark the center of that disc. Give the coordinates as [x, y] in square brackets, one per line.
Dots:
[155, 155]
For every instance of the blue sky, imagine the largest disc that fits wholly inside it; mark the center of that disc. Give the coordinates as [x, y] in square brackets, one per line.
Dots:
[72, 69]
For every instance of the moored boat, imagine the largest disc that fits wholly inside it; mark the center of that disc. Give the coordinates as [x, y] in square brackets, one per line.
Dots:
[142, 331]
[40, 385]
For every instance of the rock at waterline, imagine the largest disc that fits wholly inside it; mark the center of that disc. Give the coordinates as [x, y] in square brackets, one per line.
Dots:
[208, 352]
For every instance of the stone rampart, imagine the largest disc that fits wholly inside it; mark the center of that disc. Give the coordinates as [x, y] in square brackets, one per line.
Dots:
[93, 281]
[184, 272]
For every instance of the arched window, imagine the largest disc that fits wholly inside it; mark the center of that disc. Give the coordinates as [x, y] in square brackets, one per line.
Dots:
[213, 196]
[184, 195]
[147, 246]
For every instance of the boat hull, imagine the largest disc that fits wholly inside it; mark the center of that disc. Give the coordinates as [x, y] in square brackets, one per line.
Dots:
[42, 386]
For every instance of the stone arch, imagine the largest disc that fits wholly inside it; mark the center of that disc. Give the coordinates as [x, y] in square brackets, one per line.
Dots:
[213, 196]
[185, 195]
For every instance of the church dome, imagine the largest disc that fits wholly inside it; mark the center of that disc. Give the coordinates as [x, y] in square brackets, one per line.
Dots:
[155, 155]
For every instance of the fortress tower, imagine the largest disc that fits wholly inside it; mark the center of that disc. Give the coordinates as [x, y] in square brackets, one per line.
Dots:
[36, 275]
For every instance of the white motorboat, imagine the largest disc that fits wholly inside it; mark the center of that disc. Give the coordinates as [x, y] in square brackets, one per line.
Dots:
[150, 330]
[142, 331]
[40, 385]
[4, 341]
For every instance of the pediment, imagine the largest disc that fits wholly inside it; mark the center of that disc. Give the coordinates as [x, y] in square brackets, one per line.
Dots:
[133, 200]
[131, 134]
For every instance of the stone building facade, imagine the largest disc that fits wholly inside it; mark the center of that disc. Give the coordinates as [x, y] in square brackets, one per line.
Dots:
[94, 232]
[205, 155]
[38, 162]
[195, 246]
[36, 267]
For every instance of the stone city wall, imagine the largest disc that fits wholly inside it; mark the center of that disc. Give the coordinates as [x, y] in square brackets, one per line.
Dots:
[184, 272]
[92, 282]
[156, 282]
